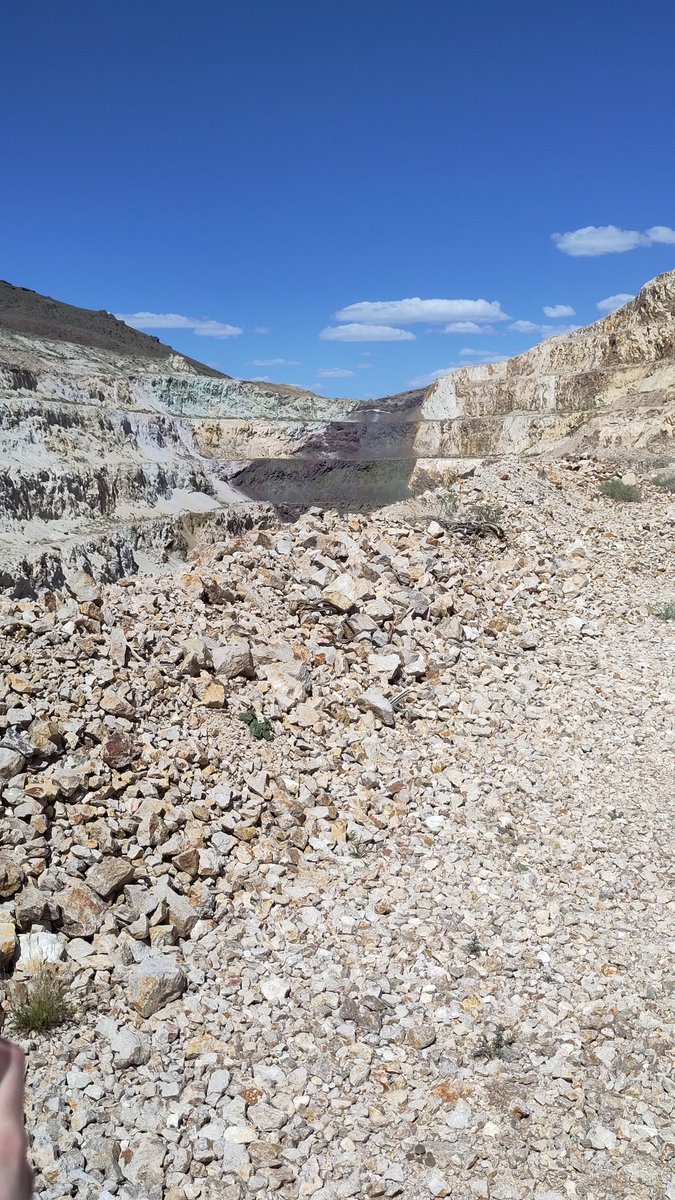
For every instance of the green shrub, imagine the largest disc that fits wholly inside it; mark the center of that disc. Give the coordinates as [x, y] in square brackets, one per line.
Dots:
[39, 1005]
[665, 481]
[628, 493]
[667, 613]
[261, 730]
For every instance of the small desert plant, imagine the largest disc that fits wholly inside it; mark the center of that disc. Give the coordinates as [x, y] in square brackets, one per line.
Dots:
[443, 507]
[494, 1047]
[667, 613]
[474, 947]
[615, 489]
[40, 1004]
[261, 730]
[665, 481]
[484, 514]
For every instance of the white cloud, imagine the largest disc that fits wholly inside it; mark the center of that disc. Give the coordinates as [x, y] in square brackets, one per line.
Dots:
[365, 333]
[660, 235]
[430, 377]
[610, 303]
[261, 329]
[273, 362]
[334, 373]
[542, 330]
[483, 356]
[201, 327]
[467, 327]
[593, 240]
[558, 310]
[524, 327]
[413, 310]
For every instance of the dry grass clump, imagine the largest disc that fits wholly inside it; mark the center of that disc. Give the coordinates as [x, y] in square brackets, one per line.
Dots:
[40, 1004]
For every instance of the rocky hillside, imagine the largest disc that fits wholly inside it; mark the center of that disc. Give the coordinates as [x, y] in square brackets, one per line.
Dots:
[609, 387]
[113, 448]
[99, 462]
[347, 848]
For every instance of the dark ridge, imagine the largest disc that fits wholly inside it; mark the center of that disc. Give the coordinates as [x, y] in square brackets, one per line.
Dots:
[28, 313]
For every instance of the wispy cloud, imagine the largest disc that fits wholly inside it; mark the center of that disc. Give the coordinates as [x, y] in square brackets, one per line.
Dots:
[334, 373]
[261, 329]
[541, 330]
[481, 356]
[430, 377]
[365, 333]
[611, 303]
[467, 327]
[594, 240]
[202, 327]
[413, 310]
[273, 362]
[558, 310]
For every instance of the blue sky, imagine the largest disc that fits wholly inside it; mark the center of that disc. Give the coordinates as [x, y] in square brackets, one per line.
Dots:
[254, 168]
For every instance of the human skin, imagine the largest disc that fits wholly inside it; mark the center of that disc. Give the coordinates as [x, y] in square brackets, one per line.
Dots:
[16, 1179]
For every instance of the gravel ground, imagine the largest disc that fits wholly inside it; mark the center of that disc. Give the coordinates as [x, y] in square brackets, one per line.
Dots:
[418, 944]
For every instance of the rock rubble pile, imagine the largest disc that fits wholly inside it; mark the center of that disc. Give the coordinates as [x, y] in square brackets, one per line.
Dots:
[352, 845]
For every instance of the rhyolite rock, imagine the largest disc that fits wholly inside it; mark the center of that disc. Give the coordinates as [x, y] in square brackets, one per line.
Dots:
[153, 983]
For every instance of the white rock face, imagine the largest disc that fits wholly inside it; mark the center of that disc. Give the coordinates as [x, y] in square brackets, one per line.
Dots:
[609, 376]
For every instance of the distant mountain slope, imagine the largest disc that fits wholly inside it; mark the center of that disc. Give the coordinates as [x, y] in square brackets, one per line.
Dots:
[33, 315]
[113, 446]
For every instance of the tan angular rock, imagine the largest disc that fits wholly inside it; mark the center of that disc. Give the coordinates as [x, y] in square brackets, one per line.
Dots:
[81, 911]
[20, 684]
[42, 788]
[154, 982]
[210, 693]
[386, 664]
[233, 658]
[345, 591]
[114, 703]
[29, 907]
[117, 647]
[110, 876]
[193, 585]
[11, 763]
[188, 860]
[289, 682]
[84, 588]
[46, 738]
[181, 915]
[7, 939]
[378, 704]
[10, 875]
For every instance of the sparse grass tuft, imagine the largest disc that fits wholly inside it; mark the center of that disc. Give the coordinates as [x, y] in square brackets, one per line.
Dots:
[627, 493]
[474, 947]
[667, 613]
[665, 481]
[39, 1005]
[261, 730]
[494, 1047]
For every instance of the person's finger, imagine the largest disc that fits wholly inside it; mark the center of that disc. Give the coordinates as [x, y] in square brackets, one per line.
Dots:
[16, 1177]
[11, 1082]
